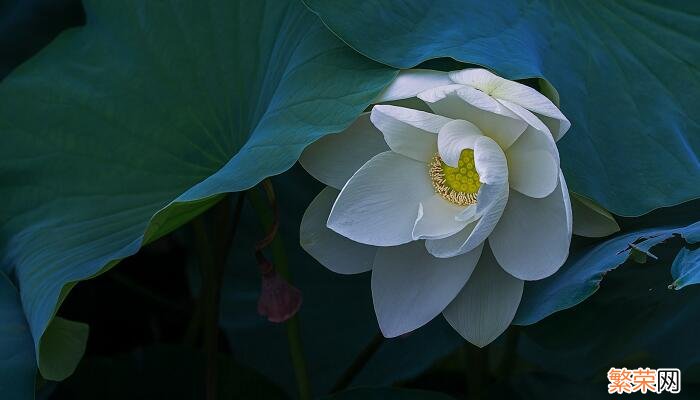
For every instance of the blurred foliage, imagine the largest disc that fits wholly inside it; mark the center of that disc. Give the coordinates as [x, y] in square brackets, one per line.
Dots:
[162, 372]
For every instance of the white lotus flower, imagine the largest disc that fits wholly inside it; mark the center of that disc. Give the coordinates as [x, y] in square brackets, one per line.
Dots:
[414, 195]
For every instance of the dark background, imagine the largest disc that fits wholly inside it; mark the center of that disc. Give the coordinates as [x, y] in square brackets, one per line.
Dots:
[145, 340]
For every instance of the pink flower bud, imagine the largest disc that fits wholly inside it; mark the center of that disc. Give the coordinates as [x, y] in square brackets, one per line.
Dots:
[278, 300]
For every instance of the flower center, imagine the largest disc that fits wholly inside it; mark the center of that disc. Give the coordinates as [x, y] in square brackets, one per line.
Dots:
[457, 185]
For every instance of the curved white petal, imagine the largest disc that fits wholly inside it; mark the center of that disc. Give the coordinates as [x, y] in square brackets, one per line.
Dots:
[333, 251]
[479, 78]
[590, 219]
[554, 127]
[333, 158]
[469, 104]
[558, 126]
[468, 215]
[454, 137]
[491, 202]
[437, 218]
[490, 162]
[546, 141]
[442, 93]
[453, 245]
[517, 93]
[409, 132]
[536, 102]
[487, 304]
[526, 116]
[533, 167]
[379, 204]
[410, 82]
[532, 239]
[410, 287]
[567, 203]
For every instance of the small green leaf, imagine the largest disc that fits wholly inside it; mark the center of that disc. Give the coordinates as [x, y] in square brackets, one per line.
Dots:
[686, 268]
[62, 348]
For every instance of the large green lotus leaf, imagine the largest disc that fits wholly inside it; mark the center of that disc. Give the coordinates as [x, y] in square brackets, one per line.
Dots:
[17, 365]
[626, 71]
[120, 131]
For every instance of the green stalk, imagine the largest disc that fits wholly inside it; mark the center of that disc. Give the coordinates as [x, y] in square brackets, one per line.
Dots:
[359, 363]
[207, 295]
[279, 258]
[213, 242]
[477, 370]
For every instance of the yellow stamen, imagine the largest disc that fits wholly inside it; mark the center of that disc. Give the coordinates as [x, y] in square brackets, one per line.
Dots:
[458, 185]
